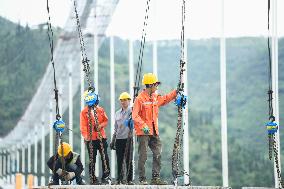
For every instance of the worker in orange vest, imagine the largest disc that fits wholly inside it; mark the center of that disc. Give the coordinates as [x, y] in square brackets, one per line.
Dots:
[145, 116]
[98, 134]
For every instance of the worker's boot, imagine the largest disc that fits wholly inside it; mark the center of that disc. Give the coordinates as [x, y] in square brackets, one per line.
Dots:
[143, 181]
[130, 182]
[96, 181]
[121, 182]
[158, 181]
[106, 180]
[53, 181]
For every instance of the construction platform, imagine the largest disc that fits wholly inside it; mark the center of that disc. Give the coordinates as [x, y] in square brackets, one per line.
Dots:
[132, 187]
[257, 188]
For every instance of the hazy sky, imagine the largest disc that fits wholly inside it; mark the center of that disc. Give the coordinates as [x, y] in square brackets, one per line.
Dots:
[203, 17]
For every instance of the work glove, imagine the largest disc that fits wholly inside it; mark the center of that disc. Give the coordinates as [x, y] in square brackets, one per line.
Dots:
[146, 130]
[112, 144]
[69, 176]
[181, 100]
[59, 172]
[128, 123]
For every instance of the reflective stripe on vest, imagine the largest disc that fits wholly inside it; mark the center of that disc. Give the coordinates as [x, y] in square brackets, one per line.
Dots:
[74, 159]
[147, 103]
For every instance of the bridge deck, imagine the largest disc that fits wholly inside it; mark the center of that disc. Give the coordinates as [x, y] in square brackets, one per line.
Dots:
[132, 187]
[257, 188]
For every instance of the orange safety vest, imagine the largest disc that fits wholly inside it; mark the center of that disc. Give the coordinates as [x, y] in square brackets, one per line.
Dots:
[84, 125]
[146, 110]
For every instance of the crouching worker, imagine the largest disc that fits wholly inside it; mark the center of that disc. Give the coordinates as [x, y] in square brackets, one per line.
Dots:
[72, 166]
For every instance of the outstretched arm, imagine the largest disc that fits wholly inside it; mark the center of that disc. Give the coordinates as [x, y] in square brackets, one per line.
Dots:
[163, 100]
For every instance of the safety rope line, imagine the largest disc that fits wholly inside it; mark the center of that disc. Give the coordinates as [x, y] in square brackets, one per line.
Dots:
[141, 53]
[270, 91]
[50, 38]
[86, 69]
[177, 171]
[58, 135]
[272, 142]
[85, 60]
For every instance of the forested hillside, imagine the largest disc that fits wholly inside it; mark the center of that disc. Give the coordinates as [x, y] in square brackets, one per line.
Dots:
[24, 55]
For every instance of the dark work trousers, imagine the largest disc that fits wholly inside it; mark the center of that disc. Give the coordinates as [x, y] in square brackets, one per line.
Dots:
[120, 150]
[154, 143]
[96, 147]
[68, 168]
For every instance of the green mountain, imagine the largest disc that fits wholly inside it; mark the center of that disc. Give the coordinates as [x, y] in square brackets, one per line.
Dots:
[23, 64]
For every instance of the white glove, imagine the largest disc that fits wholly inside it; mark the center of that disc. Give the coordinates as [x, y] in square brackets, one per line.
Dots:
[59, 171]
[69, 176]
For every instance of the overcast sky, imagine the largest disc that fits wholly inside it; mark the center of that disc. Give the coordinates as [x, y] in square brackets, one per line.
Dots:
[203, 17]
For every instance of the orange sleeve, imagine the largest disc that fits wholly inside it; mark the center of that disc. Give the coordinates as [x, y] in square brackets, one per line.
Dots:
[104, 118]
[135, 114]
[163, 100]
[83, 124]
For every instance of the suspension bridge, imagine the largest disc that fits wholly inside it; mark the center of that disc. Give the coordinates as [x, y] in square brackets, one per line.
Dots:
[95, 16]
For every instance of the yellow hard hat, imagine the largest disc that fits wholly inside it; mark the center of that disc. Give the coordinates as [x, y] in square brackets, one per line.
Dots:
[124, 96]
[149, 78]
[66, 149]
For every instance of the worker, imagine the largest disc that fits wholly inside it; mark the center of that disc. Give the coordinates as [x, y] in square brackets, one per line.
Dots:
[145, 116]
[72, 168]
[123, 134]
[98, 139]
